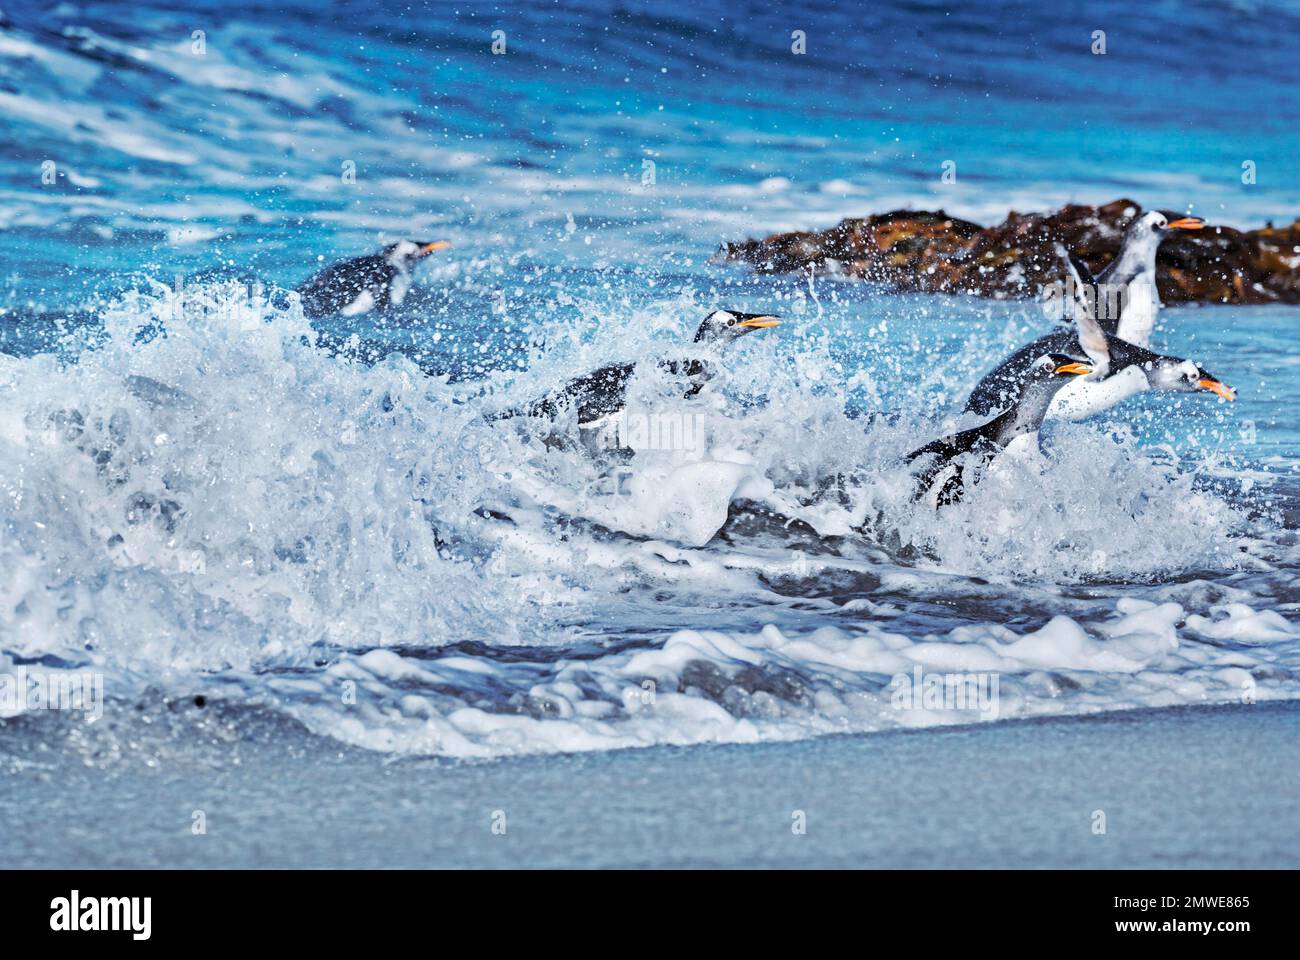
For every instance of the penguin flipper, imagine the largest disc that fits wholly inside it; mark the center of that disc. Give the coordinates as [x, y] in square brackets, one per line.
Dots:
[941, 453]
[1092, 338]
[975, 442]
[941, 483]
[1080, 273]
[953, 489]
[1081, 269]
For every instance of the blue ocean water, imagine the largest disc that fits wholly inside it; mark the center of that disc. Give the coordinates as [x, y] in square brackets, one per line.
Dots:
[203, 498]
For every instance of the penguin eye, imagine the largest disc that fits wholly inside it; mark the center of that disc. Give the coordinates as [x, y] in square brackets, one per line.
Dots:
[1155, 227]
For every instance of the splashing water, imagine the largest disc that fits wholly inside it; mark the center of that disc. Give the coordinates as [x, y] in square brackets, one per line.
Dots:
[208, 500]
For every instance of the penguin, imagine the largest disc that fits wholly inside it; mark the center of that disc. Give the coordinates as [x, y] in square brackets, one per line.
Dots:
[599, 398]
[1126, 292]
[1121, 368]
[361, 284]
[942, 481]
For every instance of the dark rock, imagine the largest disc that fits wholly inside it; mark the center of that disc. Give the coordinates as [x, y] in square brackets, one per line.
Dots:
[932, 252]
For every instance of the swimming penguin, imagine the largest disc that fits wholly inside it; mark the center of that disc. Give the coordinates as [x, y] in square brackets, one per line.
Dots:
[942, 480]
[356, 286]
[1126, 295]
[1121, 369]
[600, 396]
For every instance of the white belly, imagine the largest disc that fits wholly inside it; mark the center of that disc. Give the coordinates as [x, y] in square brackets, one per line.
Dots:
[1082, 398]
[1141, 304]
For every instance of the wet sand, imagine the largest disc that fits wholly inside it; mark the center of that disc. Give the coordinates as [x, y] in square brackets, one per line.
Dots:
[1183, 787]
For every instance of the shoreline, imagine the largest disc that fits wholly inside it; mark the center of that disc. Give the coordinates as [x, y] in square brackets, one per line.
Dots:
[1201, 786]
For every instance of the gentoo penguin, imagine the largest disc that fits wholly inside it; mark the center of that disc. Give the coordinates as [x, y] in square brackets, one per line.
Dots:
[600, 396]
[1121, 369]
[942, 482]
[1127, 299]
[356, 286]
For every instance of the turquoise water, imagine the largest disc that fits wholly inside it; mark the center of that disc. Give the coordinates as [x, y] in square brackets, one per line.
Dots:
[171, 160]
[203, 495]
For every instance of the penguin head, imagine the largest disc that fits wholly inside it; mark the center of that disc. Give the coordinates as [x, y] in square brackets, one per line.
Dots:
[404, 253]
[1057, 368]
[723, 326]
[1153, 226]
[1175, 375]
[1046, 375]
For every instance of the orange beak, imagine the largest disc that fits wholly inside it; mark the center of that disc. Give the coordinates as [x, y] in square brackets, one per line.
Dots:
[1214, 386]
[1075, 368]
[758, 323]
[1187, 223]
[428, 248]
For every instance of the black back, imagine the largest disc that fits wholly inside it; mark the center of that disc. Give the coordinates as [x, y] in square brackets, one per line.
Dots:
[340, 283]
[1001, 387]
[603, 392]
[594, 395]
